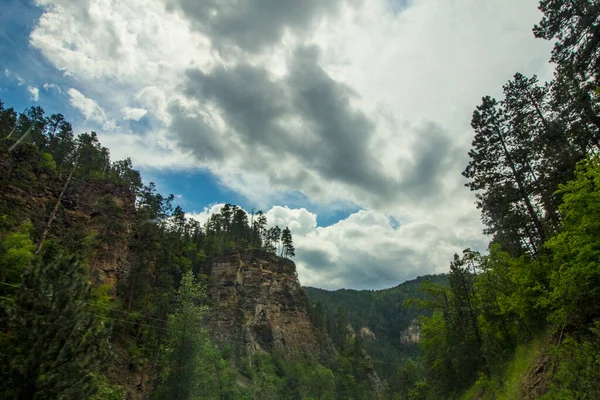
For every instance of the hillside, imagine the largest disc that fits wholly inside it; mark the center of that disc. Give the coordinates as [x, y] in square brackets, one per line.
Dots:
[383, 312]
[108, 291]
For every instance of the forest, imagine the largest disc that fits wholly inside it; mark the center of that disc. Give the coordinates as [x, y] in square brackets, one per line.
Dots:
[75, 326]
[521, 320]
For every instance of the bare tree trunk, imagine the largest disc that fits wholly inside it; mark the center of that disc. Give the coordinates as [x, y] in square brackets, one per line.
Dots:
[18, 142]
[522, 191]
[55, 210]
[127, 315]
[13, 131]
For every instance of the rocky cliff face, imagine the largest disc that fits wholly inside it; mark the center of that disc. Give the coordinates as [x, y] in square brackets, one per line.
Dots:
[412, 334]
[29, 191]
[258, 303]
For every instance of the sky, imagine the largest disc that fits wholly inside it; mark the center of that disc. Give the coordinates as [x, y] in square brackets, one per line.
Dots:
[346, 120]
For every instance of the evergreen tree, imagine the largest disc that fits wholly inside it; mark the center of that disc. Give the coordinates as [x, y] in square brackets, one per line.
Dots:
[53, 342]
[192, 367]
[8, 121]
[260, 228]
[499, 175]
[272, 238]
[287, 245]
[574, 26]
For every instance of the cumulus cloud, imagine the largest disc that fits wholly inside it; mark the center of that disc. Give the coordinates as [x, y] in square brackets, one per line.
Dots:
[365, 250]
[346, 101]
[300, 221]
[89, 108]
[34, 93]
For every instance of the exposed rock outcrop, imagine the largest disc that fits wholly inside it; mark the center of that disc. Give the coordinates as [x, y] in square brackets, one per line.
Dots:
[258, 303]
[412, 334]
[29, 191]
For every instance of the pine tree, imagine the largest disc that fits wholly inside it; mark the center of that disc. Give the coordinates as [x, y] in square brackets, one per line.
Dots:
[259, 229]
[273, 236]
[574, 25]
[52, 341]
[287, 248]
[192, 365]
[499, 173]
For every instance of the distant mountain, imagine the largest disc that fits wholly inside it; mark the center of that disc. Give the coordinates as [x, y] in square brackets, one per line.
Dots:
[381, 311]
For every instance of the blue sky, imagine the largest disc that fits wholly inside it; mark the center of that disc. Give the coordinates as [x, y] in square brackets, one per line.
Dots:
[346, 120]
[24, 66]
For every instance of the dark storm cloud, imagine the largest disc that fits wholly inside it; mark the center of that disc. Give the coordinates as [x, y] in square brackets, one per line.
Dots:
[196, 133]
[252, 25]
[327, 136]
[317, 259]
[252, 103]
[342, 152]
[433, 156]
[365, 271]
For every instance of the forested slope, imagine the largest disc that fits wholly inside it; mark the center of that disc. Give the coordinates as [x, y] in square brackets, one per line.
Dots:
[523, 320]
[103, 282]
[383, 312]
[104, 287]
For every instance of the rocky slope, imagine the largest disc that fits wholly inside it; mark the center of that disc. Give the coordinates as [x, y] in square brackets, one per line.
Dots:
[29, 190]
[258, 303]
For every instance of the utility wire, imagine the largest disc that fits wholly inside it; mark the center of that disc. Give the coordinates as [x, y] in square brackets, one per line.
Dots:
[89, 303]
[153, 326]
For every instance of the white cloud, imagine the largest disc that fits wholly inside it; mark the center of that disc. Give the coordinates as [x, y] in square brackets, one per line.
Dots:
[34, 93]
[89, 108]
[154, 150]
[364, 250]
[134, 114]
[300, 221]
[415, 75]
[53, 86]
[204, 215]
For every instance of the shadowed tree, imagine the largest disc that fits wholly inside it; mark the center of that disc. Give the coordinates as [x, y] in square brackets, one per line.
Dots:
[53, 341]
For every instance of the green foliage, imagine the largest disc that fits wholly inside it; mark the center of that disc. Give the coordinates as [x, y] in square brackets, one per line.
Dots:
[48, 162]
[105, 390]
[54, 342]
[578, 369]
[384, 312]
[508, 383]
[271, 377]
[410, 376]
[575, 281]
[16, 253]
[511, 298]
[192, 367]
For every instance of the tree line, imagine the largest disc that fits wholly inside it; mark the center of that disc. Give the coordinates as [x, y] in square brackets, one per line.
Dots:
[102, 278]
[535, 168]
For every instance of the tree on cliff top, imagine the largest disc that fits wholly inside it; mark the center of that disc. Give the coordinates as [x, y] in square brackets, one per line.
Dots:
[287, 248]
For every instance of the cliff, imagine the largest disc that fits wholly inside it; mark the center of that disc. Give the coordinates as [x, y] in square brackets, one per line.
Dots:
[258, 303]
[94, 210]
